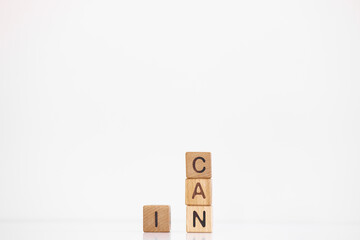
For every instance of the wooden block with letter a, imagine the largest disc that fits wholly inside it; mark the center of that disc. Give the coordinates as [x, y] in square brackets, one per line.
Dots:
[199, 218]
[156, 218]
[198, 192]
[198, 164]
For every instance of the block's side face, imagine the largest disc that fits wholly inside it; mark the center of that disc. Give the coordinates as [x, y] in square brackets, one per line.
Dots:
[198, 192]
[198, 164]
[156, 218]
[199, 219]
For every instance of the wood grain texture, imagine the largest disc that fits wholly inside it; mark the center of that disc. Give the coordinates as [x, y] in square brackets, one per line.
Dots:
[156, 218]
[198, 192]
[199, 218]
[198, 164]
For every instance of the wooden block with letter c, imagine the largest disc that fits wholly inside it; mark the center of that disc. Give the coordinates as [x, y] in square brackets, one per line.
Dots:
[198, 164]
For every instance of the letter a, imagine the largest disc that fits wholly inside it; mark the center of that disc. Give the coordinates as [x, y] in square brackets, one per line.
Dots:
[198, 185]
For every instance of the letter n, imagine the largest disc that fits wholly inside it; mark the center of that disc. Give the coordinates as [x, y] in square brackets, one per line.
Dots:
[202, 222]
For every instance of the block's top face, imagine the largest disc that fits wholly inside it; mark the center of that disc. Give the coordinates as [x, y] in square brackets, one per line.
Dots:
[156, 218]
[198, 164]
[145, 207]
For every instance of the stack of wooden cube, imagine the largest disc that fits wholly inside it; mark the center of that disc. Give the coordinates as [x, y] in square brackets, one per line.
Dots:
[198, 192]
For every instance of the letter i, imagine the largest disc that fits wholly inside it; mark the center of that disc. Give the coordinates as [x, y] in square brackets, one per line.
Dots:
[156, 219]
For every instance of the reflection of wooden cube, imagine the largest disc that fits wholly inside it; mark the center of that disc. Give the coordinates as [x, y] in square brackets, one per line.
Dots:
[156, 218]
[198, 192]
[199, 218]
[198, 164]
[199, 236]
[157, 236]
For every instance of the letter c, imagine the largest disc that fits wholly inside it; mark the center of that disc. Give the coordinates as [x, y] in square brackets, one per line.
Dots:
[194, 162]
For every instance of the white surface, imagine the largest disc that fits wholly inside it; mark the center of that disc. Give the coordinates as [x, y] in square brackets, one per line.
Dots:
[100, 100]
[125, 230]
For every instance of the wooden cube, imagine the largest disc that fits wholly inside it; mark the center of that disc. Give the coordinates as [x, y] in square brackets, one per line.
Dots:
[198, 192]
[199, 218]
[198, 165]
[156, 218]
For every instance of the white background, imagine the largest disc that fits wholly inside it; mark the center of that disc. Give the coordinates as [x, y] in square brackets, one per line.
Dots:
[100, 100]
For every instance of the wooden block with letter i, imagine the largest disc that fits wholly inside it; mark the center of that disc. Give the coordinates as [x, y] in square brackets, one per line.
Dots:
[156, 218]
[198, 192]
[198, 164]
[199, 218]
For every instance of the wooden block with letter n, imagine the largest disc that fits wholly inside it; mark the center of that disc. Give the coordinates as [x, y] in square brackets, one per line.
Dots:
[156, 218]
[198, 164]
[199, 218]
[198, 192]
